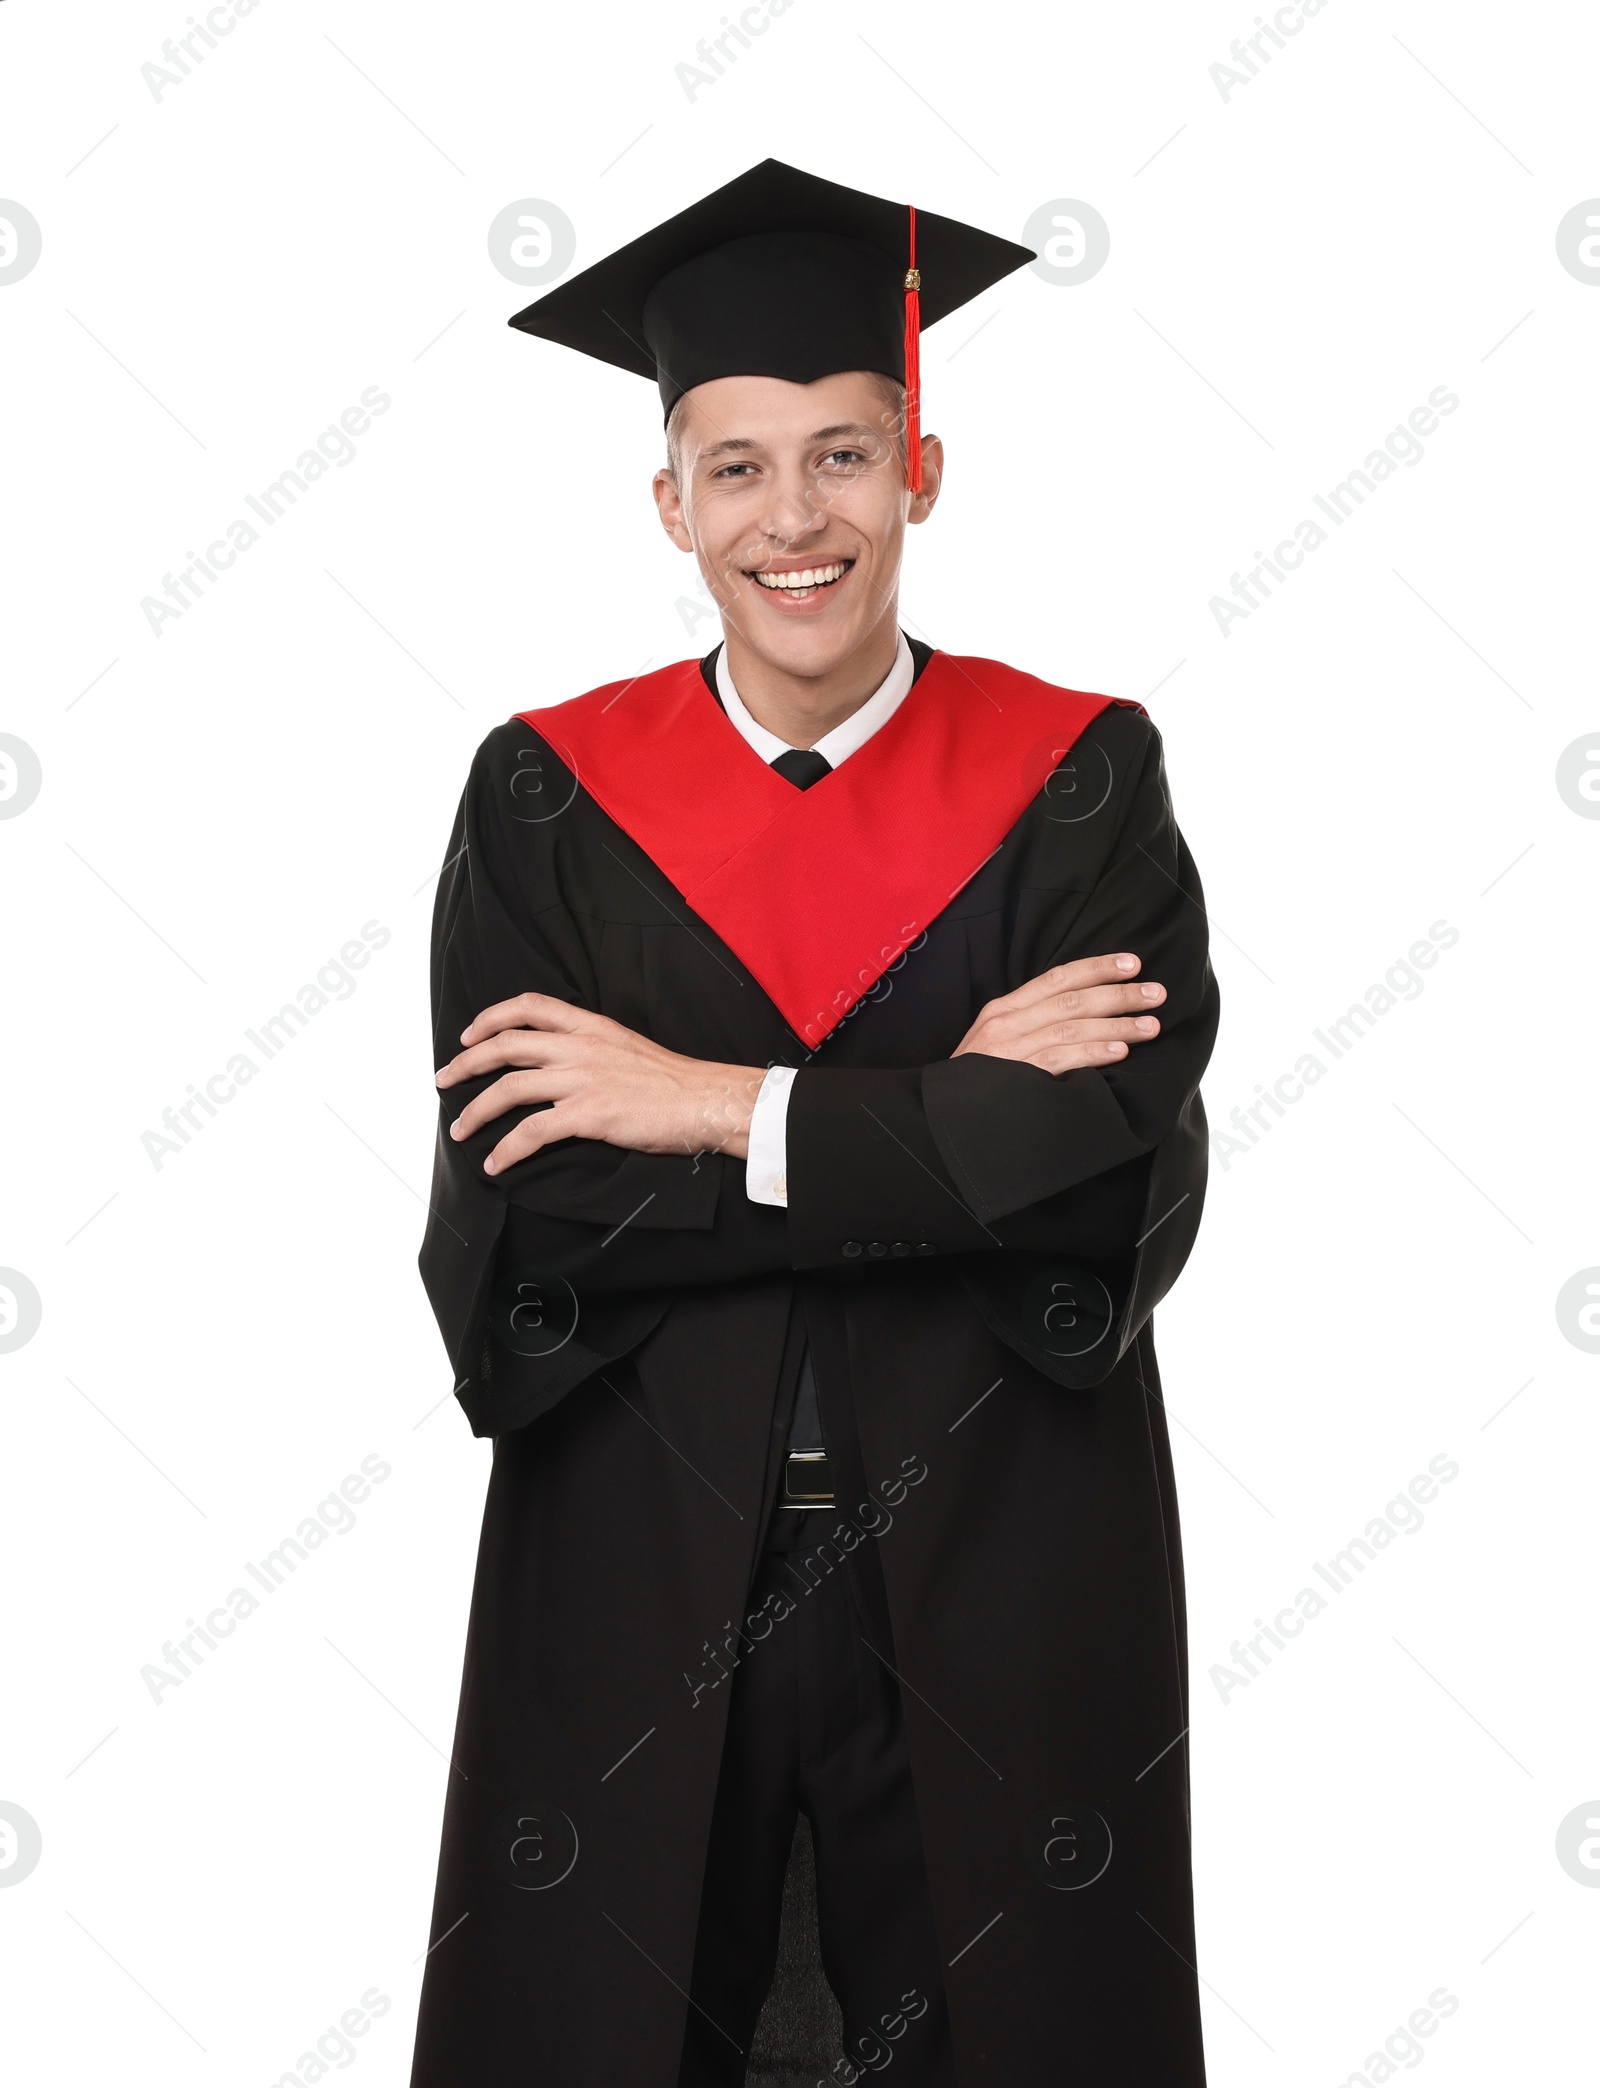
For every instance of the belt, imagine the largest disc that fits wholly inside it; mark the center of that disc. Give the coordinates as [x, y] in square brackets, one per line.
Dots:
[807, 1481]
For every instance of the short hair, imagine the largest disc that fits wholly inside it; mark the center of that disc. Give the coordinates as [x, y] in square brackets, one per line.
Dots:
[893, 419]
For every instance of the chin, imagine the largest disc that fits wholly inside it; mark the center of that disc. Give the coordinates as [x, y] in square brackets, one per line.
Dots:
[808, 649]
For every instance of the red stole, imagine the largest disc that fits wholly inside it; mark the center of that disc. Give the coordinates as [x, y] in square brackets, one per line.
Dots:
[819, 891]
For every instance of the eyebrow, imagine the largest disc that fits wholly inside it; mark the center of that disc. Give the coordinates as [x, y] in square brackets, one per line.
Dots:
[736, 443]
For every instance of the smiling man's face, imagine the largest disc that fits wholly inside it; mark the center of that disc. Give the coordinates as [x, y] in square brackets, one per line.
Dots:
[794, 501]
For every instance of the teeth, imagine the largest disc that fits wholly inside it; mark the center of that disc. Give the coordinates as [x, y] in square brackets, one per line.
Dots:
[813, 576]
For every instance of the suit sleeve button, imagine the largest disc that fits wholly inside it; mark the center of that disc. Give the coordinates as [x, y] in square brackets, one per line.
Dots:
[876, 1247]
[851, 1247]
[926, 1247]
[901, 1247]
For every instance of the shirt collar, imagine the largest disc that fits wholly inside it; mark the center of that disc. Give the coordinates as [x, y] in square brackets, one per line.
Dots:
[844, 740]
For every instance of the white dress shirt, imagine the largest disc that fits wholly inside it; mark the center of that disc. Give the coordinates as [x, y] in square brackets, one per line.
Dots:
[767, 1166]
[844, 740]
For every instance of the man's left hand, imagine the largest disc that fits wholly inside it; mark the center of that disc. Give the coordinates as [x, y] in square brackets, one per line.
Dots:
[601, 1080]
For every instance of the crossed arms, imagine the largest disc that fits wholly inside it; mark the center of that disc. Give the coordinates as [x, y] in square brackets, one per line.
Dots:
[596, 1079]
[571, 1143]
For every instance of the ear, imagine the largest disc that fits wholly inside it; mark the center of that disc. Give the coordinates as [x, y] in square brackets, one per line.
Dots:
[669, 506]
[932, 477]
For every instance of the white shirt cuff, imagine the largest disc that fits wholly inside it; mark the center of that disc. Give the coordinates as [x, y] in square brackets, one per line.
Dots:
[767, 1165]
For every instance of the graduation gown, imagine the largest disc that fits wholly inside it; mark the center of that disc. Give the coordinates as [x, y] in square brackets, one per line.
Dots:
[972, 1249]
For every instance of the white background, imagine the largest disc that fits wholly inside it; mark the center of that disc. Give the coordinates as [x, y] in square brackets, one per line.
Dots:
[225, 1337]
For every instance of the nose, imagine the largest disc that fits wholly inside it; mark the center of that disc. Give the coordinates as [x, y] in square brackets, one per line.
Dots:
[791, 510]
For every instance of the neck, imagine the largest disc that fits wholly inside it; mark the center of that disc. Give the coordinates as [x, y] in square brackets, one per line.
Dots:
[801, 708]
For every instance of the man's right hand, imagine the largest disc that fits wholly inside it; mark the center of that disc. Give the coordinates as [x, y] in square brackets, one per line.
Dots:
[1087, 1013]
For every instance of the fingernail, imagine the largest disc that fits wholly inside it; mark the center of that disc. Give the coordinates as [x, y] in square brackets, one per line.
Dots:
[1127, 964]
[455, 1129]
[1116, 1050]
[490, 1165]
[1151, 992]
[1145, 1024]
[467, 1032]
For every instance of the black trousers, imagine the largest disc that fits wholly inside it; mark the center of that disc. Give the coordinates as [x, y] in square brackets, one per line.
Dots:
[815, 1726]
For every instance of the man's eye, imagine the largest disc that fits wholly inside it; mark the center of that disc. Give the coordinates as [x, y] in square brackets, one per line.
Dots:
[845, 457]
[733, 470]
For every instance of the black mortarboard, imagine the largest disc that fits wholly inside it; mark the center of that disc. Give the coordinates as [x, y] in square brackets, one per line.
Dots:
[779, 274]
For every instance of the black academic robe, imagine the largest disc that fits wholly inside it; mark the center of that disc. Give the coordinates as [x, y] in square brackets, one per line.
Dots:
[972, 1249]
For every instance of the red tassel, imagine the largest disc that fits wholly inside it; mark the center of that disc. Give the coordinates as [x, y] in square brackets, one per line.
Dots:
[913, 288]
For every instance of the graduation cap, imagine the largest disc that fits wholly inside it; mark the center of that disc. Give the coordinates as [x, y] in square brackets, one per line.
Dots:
[778, 274]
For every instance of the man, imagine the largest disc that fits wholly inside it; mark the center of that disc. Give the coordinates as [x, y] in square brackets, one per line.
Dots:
[812, 1156]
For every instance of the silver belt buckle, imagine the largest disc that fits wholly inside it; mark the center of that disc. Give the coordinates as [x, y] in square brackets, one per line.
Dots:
[807, 1481]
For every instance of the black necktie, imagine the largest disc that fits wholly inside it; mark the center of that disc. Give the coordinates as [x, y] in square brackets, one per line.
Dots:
[803, 766]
